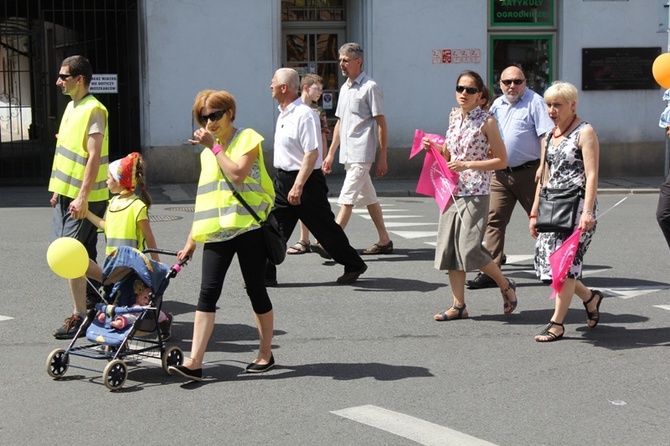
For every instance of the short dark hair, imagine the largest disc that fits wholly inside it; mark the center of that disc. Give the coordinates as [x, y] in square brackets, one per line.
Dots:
[79, 66]
[476, 77]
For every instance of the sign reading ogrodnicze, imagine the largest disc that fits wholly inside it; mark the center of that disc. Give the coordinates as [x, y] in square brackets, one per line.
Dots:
[522, 12]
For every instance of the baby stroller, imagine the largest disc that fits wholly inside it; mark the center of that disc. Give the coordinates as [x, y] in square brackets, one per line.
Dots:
[122, 270]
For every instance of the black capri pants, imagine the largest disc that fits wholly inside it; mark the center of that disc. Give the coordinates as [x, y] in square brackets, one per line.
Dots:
[216, 259]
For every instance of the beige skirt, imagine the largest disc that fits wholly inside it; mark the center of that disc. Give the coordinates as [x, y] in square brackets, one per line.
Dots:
[460, 234]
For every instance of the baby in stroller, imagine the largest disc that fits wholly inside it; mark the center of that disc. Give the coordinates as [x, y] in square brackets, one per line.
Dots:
[132, 294]
[142, 299]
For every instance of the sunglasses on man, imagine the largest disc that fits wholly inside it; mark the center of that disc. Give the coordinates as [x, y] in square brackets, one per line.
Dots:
[508, 82]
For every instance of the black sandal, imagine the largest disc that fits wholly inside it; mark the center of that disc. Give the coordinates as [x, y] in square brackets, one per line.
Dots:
[302, 247]
[550, 335]
[441, 317]
[594, 316]
[509, 304]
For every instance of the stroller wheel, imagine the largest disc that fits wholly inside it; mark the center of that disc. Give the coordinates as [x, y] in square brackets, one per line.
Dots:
[57, 363]
[171, 357]
[115, 374]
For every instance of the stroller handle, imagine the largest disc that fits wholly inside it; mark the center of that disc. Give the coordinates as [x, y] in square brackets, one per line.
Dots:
[175, 268]
[169, 253]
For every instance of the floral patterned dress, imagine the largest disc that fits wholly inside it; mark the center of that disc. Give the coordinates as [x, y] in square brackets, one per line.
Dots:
[466, 142]
[566, 169]
[461, 227]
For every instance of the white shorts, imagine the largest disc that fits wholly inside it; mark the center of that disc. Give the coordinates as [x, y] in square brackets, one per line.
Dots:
[357, 188]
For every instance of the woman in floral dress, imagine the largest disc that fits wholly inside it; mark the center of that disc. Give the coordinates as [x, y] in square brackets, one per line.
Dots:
[571, 151]
[473, 148]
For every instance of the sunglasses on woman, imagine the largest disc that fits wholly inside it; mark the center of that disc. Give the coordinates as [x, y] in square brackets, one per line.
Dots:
[468, 90]
[214, 116]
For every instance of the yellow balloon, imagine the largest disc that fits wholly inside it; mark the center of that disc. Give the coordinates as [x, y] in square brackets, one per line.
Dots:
[661, 70]
[68, 258]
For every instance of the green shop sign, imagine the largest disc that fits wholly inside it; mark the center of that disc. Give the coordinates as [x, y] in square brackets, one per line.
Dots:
[522, 12]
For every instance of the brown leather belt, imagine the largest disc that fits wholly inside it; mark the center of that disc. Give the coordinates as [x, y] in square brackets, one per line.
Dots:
[523, 166]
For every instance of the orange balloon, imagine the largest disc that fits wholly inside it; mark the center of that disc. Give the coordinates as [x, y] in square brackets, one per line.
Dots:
[661, 70]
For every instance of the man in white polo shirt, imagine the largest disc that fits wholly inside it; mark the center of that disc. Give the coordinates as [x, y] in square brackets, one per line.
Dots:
[359, 107]
[300, 187]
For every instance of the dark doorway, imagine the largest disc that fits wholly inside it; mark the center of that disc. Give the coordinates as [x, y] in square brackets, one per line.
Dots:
[35, 36]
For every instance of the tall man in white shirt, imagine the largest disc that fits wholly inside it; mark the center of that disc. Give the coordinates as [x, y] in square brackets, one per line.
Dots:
[359, 106]
[300, 187]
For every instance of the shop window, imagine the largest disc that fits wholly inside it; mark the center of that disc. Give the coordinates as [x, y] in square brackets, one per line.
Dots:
[312, 33]
[522, 34]
[533, 54]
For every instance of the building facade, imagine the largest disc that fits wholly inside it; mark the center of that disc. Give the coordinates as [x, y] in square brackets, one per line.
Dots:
[153, 56]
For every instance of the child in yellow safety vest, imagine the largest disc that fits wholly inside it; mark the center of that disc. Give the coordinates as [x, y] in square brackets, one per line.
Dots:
[126, 222]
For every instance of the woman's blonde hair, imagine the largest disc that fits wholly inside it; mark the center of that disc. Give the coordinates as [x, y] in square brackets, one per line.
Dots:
[561, 90]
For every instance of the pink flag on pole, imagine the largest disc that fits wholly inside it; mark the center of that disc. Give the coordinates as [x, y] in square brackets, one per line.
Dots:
[436, 179]
[560, 261]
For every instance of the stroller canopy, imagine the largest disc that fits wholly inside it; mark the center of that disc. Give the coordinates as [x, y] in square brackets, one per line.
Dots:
[126, 260]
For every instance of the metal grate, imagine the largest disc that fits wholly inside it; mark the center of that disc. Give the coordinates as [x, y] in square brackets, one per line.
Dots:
[164, 217]
[181, 209]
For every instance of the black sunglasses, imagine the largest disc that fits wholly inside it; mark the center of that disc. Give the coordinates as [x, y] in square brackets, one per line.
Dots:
[215, 116]
[508, 82]
[468, 90]
[64, 77]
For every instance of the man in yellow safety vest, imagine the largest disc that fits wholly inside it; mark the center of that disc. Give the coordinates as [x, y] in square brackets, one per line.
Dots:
[79, 173]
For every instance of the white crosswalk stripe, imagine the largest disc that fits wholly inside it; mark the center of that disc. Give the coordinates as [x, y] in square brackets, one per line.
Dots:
[415, 429]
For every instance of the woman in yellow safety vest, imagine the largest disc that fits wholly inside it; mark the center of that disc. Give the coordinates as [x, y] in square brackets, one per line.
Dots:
[225, 227]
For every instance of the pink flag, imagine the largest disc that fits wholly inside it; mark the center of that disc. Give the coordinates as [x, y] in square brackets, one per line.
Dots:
[417, 145]
[436, 179]
[561, 260]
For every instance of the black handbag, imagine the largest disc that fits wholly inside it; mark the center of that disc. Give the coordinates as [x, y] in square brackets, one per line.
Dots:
[557, 210]
[275, 245]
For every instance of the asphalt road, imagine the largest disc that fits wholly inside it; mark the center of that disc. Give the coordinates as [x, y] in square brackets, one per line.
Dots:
[363, 364]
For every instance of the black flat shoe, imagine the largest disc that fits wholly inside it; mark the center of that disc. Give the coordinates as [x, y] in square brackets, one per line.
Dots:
[260, 368]
[480, 281]
[351, 277]
[180, 370]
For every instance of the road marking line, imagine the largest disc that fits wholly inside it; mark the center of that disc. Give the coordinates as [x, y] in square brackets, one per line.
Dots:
[389, 217]
[511, 258]
[365, 211]
[397, 224]
[414, 234]
[631, 292]
[415, 429]
[663, 307]
[5, 318]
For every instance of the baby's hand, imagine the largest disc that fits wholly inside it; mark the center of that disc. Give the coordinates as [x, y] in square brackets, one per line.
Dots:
[117, 323]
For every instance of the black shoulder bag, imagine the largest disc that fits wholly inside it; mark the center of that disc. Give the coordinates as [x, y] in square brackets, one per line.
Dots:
[275, 245]
[557, 210]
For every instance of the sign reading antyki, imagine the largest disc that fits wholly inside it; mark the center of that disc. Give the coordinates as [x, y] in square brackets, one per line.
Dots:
[104, 83]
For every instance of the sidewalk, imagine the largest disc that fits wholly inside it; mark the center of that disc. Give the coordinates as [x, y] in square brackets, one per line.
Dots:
[35, 196]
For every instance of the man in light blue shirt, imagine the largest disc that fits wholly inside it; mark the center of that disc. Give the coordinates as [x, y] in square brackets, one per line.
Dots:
[523, 120]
